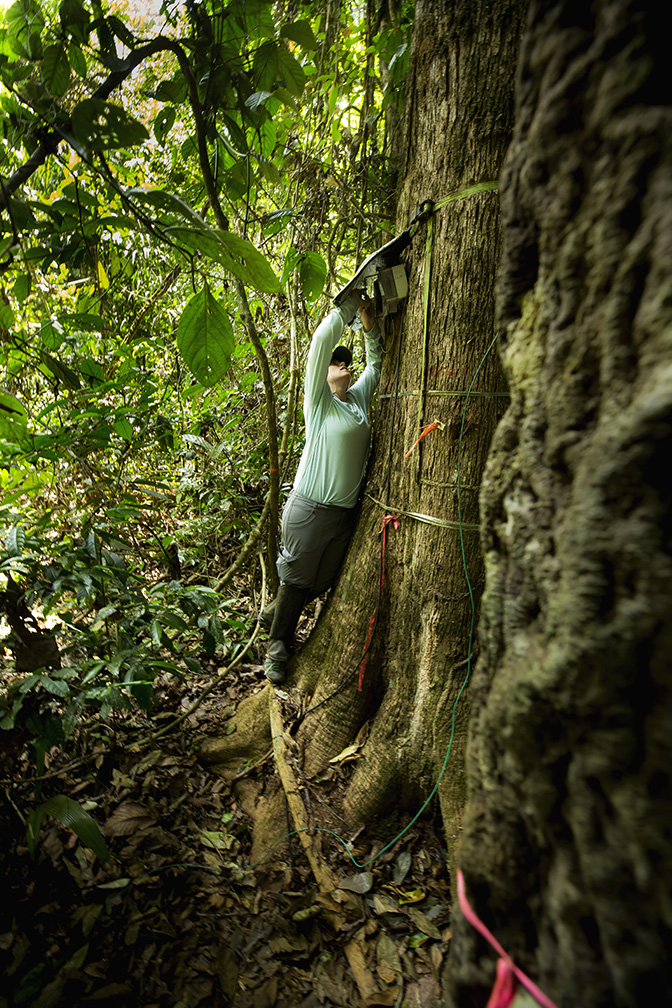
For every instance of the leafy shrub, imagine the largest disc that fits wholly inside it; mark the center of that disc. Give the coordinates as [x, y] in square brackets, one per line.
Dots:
[104, 632]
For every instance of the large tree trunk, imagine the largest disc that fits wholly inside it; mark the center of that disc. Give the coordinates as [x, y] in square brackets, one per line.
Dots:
[566, 848]
[456, 135]
[458, 124]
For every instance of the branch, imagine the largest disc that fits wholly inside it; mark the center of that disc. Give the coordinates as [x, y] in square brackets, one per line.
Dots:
[52, 139]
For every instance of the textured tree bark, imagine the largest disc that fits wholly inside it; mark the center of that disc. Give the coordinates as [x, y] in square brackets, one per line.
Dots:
[459, 121]
[456, 134]
[566, 847]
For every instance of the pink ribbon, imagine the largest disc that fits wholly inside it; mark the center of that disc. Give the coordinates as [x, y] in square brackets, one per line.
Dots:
[508, 974]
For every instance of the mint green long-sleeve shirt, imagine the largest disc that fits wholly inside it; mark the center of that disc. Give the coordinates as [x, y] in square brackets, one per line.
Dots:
[332, 465]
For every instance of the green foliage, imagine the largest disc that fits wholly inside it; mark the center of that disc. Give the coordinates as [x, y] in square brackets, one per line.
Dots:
[116, 632]
[205, 338]
[13, 420]
[313, 272]
[71, 814]
[133, 453]
[101, 126]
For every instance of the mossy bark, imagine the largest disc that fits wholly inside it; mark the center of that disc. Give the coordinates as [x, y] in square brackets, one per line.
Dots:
[566, 846]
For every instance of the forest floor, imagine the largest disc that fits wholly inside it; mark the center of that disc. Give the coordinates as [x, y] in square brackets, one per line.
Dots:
[176, 916]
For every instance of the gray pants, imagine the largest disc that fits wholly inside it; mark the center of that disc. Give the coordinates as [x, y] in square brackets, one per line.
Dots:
[314, 540]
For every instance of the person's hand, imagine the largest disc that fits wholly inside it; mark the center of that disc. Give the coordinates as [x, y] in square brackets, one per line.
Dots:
[367, 311]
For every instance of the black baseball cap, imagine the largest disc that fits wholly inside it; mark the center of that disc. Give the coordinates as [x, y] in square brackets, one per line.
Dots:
[341, 353]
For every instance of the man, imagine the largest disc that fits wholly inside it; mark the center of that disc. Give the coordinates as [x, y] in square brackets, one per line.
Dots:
[319, 516]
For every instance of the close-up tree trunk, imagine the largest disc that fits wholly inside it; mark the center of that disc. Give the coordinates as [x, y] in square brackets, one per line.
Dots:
[566, 843]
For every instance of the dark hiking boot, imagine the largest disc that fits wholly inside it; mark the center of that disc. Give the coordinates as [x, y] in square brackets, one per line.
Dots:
[288, 606]
[275, 666]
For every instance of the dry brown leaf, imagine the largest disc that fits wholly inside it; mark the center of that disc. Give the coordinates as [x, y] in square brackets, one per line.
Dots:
[423, 992]
[383, 904]
[423, 923]
[193, 993]
[362, 734]
[121, 780]
[389, 964]
[385, 972]
[227, 971]
[348, 754]
[384, 997]
[147, 761]
[266, 995]
[127, 818]
[328, 902]
[355, 952]
[110, 990]
[53, 845]
[360, 883]
[436, 958]
[282, 944]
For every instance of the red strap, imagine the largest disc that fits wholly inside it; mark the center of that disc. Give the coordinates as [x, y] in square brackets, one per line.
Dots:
[507, 971]
[362, 665]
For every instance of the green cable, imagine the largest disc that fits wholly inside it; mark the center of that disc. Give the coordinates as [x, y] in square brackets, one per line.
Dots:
[472, 625]
[469, 191]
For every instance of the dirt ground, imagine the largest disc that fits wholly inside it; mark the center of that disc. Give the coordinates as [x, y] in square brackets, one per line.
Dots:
[177, 916]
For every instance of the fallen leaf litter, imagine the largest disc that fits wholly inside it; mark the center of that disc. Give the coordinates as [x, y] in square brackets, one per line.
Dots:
[176, 918]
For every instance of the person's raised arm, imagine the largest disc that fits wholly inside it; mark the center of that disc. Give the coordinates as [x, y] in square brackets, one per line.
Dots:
[325, 337]
[367, 384]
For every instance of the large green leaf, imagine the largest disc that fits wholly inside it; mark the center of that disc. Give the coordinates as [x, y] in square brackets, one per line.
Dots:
[301, 32]
[71, 814]
[15, 541]
[174, 90]
[205, 338]
[83, 321]
[100, 125]
[236, 135]
[164, 200]
[25, 23]
[291, 71]
[235, 254]
[265, 65]
[292, 260]
[246, 262]
[59, 370]
[276, 220]
[22, 286]
[198, 239]
[257, 16]
[313, 273]
[123, 428]
[117, 26]
[74, 19]
[56, 70]
[237, 181]
[77, 60]
[163, 123]
[13, 420]
[92, 369]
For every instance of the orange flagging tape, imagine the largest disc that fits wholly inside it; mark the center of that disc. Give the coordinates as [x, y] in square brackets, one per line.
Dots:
[434, 425]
